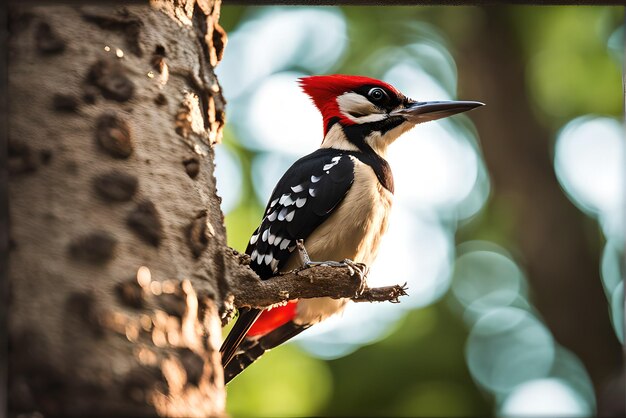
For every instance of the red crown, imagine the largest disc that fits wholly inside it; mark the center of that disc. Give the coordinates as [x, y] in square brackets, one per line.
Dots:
[324, 90]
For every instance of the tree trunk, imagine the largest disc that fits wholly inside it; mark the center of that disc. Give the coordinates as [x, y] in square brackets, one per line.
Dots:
[117, 260]
[562, 267]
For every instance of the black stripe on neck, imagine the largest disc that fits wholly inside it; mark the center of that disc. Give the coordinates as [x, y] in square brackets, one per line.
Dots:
[356, 134]
[378, 164]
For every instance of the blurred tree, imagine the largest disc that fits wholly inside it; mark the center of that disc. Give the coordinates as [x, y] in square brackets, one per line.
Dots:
[113, 115]
[560, 252]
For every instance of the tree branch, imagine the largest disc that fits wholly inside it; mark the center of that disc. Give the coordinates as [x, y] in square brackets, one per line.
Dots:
[313, 282]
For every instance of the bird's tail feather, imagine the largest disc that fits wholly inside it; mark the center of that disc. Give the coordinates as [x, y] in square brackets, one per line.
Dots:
[253, 348]
[247, 317]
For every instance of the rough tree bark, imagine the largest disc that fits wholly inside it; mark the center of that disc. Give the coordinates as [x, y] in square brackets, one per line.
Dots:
[120, 277]
[117, 264]
[562, 268]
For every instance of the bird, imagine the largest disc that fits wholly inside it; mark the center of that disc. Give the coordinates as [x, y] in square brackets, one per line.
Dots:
[336, 200]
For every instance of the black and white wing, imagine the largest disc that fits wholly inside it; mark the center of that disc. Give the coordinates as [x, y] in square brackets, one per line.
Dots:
[303, 198]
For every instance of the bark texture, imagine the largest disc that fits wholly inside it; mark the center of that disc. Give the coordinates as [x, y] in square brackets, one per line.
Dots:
[117, 265]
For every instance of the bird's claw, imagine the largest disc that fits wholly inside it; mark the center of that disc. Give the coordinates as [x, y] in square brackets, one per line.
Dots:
[354, 268]
[359, 269]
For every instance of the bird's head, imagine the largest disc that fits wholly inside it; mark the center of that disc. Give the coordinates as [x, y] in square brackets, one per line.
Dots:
[362, 113]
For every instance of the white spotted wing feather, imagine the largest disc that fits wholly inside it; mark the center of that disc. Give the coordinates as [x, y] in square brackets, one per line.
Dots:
[303, 199]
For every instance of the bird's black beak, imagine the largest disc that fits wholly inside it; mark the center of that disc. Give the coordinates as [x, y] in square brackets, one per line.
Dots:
[418, 112]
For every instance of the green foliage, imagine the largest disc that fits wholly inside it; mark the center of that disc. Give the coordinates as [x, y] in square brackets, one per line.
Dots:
[418, 370]
[569, 72]
[231, 16]
[285, 382]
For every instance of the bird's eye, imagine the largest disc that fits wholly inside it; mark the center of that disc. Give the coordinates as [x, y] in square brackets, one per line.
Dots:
[377, 94]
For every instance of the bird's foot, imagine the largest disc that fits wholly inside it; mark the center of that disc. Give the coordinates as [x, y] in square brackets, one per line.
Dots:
[359, 269]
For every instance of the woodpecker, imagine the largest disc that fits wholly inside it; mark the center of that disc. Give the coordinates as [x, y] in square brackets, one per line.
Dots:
[336, 199]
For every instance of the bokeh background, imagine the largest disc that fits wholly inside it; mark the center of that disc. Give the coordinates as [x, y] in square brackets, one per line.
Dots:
[508, 222]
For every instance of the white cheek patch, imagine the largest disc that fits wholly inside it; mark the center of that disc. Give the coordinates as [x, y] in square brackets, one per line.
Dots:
[358, 109]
